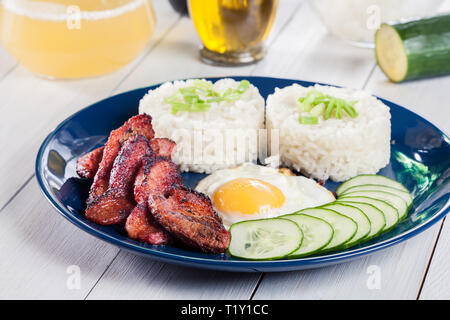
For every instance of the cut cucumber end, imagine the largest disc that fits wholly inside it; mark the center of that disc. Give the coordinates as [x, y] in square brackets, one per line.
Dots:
[390, 53]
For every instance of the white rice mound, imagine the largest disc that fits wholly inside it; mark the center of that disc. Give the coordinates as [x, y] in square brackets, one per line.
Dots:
[206, 141]
[335, 148]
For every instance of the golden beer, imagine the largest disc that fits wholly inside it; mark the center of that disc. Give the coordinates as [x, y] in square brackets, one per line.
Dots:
[233, 31]
[75, 38]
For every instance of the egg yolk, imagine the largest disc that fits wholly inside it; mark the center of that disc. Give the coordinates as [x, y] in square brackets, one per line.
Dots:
[247, 196]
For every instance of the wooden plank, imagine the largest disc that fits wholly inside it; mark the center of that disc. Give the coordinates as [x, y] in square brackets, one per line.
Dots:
[179, 53]
[41, 253]
[31, 107]
[128, 271]
[425, 97]
[394, 273]
[135, 277]
[436, 285]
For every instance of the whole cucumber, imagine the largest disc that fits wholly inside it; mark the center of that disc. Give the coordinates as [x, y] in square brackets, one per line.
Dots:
[415, 49]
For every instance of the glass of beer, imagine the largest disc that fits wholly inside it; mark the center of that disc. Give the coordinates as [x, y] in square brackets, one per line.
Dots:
[233, 31]
[75, 38]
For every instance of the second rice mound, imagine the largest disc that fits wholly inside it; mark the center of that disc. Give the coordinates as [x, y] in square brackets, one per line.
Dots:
[335, 149]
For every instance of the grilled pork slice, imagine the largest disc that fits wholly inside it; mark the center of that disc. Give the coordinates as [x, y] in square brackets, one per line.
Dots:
[156, 177]
[87, 165]
[142, 226]
[163, 147]
[114, 205]
[141, 124]
[189, 216]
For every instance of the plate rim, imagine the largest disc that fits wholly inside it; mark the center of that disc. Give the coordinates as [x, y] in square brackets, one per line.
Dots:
[228, 265]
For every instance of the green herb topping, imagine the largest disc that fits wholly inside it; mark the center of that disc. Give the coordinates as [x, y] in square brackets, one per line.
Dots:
[188, 98]
[315, 104]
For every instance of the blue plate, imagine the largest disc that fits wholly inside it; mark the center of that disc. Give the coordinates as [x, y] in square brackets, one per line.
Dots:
[420, 159]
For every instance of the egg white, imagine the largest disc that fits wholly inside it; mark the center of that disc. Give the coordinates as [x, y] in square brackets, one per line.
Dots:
[299, 192]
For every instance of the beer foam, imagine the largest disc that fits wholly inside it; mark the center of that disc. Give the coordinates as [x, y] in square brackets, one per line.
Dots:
[59, 12]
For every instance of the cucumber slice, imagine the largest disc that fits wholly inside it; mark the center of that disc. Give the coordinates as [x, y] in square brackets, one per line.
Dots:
[374, 187]
[390, 198]
[357, 215]
[414, 49]
[369, 179]
[317, 233]
[264, 239]
[389, 212]
[344, 227]
[376, 217]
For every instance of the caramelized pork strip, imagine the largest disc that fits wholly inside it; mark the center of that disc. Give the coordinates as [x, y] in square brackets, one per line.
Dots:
[87, 165]
[189, 216]
[141, 226]
[162, 147]
[140, 124]
[114, 205]
[158, 175]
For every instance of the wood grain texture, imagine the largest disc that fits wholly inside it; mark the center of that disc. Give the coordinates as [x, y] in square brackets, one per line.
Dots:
[33, 106]
[143, 278]
[38, 249]
[427, 97]
[135, 277]
[436, 284]
[37, 246]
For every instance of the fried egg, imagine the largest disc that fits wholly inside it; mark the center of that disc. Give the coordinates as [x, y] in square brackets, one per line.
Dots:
[251, 192]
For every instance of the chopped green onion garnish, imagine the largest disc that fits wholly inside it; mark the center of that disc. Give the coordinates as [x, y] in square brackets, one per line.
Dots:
[315, 104]
[328, 110]
[177, 106]
[227, 92]
[339, 111]
[318, 110]
[243, 86]
[308, 119]
[203, 84]
[232, 97]
[187, 90]
[189, 98]
[199, 106]
[215, 99]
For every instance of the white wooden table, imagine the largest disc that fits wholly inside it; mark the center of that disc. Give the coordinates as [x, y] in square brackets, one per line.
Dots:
[39, 248]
